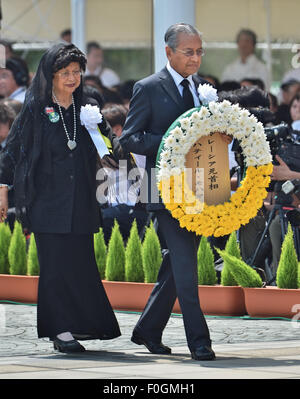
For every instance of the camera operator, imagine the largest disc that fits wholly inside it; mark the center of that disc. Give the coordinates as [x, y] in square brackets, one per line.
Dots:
[257, 102]
[288, 169]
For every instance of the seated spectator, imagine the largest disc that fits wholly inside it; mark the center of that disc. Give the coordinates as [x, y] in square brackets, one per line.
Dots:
[229, 85]
[66, 35]
[7, 116]
[109, 95]
[288, 91]
[247, 65]
[92, 92]
[9, 52]
[273, 103]
[14, 79]
[95, 65]
[294, 73]
[124, 206]
[212, 80]
[126, 90]
[14, 104]
[253, 82]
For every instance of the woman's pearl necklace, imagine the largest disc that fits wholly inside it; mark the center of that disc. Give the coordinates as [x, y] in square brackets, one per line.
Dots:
[71, 143]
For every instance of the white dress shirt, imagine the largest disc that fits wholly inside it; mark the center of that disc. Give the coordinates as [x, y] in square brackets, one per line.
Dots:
[178, 79]
[19, 94]
[252, 68]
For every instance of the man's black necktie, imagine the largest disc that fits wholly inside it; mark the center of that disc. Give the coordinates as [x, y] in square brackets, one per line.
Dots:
[187, 95]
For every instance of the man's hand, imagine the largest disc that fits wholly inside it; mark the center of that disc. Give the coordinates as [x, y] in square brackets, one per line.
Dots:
[3, 203]
[226, 138]
[282, 171]
[108, 162]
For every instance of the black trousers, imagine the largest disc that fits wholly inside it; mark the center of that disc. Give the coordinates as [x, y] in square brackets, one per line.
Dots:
[177, 277]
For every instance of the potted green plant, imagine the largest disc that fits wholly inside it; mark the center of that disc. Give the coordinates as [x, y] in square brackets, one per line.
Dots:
[5, 237]
[100, 252]
[17, 256]
[115, 262]
[18, 286]
[133, 256]
[270, 301]
[33, 267]
[151, 255]
[218, 299]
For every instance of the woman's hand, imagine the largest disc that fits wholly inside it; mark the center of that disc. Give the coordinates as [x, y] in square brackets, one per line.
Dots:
[3, 203]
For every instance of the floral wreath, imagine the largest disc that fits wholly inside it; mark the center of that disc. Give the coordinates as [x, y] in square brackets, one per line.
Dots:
[191, 212]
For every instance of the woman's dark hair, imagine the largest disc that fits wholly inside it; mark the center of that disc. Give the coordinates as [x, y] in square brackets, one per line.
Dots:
[295, 98]
[115, 114]
[94, 79]
[92, 92]
[252, 98]
[69, 54]
[246, 97]
[229, 85]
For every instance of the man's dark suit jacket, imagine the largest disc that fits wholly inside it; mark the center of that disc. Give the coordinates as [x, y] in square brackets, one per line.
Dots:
[155, 104]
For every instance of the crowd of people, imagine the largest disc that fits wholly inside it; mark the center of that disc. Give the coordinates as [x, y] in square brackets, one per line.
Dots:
[244, 81]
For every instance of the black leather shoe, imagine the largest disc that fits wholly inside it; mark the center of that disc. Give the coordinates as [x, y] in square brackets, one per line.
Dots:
[153, 347]
[67, 346]
[203, 353]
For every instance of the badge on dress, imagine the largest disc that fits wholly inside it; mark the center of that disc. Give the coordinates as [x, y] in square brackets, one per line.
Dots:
[52, 115]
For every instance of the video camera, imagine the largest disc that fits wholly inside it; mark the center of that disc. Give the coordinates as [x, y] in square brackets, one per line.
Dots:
[276, 135]
[283, 191]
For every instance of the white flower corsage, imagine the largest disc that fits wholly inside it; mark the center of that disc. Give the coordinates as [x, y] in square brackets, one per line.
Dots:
[207, 93]
[90, 116]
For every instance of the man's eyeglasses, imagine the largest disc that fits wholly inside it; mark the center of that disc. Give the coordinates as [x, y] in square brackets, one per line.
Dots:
[66, 74]
[190, 53]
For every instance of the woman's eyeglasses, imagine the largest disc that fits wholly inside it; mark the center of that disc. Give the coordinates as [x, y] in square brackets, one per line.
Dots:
[65, 75]
[189, 53]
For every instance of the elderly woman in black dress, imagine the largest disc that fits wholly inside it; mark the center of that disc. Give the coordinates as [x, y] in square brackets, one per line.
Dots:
[50, 159]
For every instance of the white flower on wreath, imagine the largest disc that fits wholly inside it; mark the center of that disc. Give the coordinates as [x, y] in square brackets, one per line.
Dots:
[177, 133]
[185, 123]
[207, 93]
[90, 116]
[169, 141]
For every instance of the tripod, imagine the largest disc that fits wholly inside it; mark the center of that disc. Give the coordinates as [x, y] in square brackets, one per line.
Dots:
[283, 226]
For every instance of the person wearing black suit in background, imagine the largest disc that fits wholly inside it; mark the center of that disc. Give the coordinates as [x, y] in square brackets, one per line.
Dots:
[157, 101]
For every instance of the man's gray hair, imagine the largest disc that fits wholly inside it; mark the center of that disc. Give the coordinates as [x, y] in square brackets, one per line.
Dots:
[171, 35]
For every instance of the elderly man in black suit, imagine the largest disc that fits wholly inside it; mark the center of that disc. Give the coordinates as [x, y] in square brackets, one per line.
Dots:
[157, 101]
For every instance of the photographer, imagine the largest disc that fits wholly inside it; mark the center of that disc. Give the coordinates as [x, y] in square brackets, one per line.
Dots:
[288, 168]
[257, 102]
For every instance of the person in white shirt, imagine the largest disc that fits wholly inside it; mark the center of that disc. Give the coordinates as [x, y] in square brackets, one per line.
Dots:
[247, 65]
[122, 197]
[14, 79]
[94, 66]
